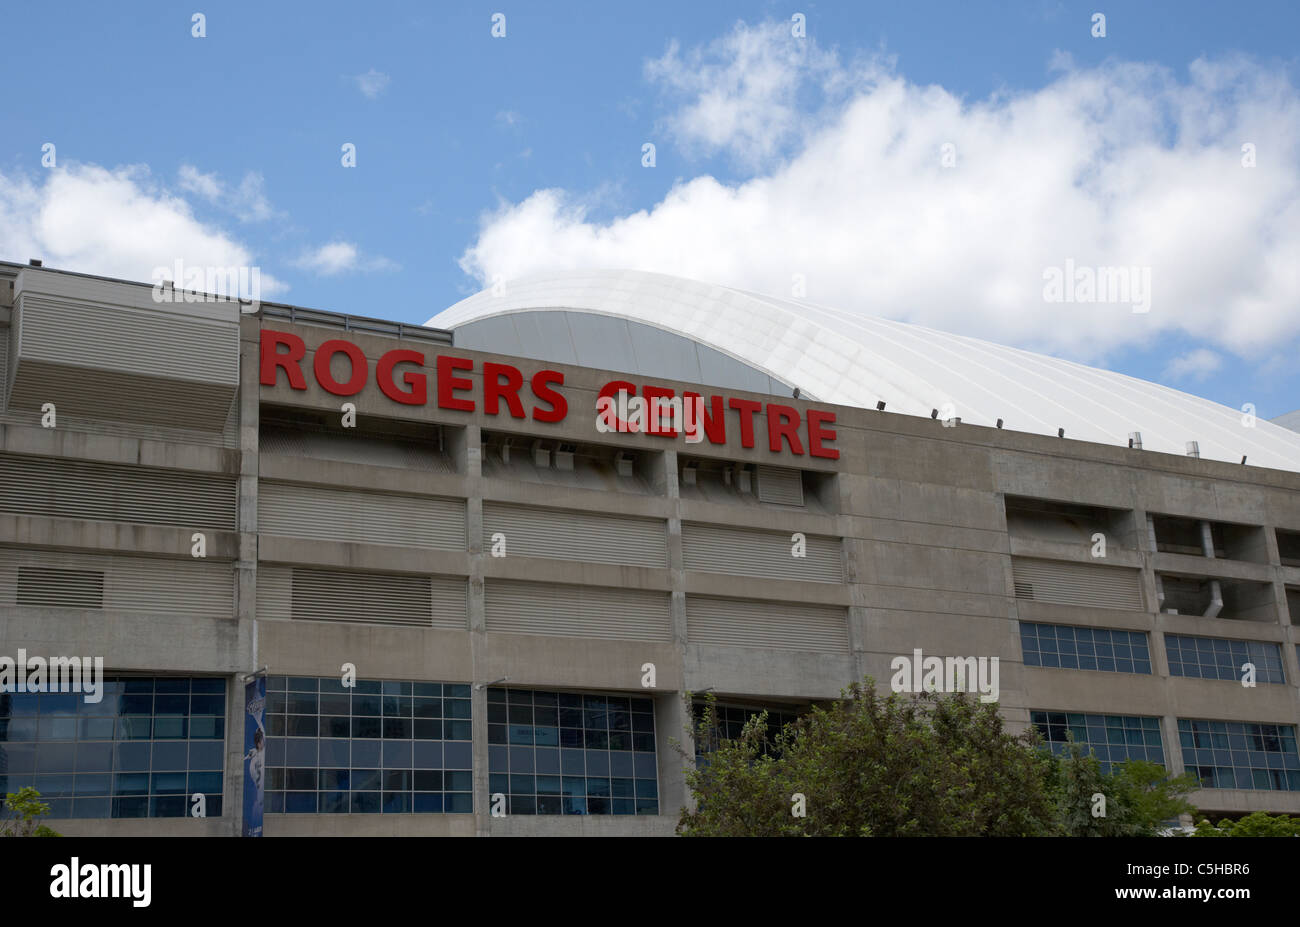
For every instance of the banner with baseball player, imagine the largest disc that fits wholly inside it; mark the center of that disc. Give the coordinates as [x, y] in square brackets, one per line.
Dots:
[254, 755]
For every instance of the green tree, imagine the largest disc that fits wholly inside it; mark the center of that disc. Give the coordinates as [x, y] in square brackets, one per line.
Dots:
[1135, 799]
[923, 765]
[20, 811]
[1155, 796]
[1259, 824]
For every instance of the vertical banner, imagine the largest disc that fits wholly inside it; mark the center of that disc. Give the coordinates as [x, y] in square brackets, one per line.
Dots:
[254, 755]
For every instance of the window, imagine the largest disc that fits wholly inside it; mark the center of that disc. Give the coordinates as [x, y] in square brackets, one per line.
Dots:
[1113, 738]
[1084, 648]
[570, 753]
[1213, 658]
[380, 747]
[1240, 755]
[142, 751]
[731, 720]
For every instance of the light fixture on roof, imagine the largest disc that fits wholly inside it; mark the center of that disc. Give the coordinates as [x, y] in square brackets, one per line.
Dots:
[1243, 459]
[1135, 440]
[35, 262]
[796, 392]
[1060, 432]
[999, 423]
[934, 413]
[880, 406]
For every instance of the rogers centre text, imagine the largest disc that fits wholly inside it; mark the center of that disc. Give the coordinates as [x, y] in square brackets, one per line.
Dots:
[403, 374]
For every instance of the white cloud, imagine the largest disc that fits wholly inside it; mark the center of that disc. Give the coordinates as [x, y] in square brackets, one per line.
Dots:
[332, 258]
[338, 256]
[193, 180]
[247, 201]
[743, 90]
[116, 223]
[372, 83]
[1197, 365]
[1122, 165]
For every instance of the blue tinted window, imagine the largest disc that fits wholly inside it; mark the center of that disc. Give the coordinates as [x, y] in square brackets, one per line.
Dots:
[1112, 738]
[730, 720]
[138, 752]
[380, 747]
[1240, 754]
[1103, 649]
[555, 752]
[1214, 658]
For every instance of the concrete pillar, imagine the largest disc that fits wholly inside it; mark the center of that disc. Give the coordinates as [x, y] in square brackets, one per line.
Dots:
[248, 406]
[675, 748]
[1173, 746]
[676, 561]
[671, 722]
[466, 450]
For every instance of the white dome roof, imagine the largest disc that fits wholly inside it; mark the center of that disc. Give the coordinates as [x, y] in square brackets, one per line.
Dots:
[836, 356]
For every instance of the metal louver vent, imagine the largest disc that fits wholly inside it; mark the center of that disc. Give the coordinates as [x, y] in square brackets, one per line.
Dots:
[135, 359]
[1085, 584]
[60, 588]
[378, 598]
[116, 583]
[559, 534]
[60, 488]
[332, 514]
[780, 485]
[519, 607]
[769, 625]
[765, 554]
[4, 366]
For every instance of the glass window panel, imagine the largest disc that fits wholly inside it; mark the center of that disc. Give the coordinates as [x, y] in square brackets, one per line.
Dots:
[335, 779]
[57, 728]
[366, 779]
[335, 704]
[337, 726]
[167, 728]
[432, 708]
[457, 730]
[568, 720]
[332, 803]
[95, 757]
[55, 757]
[385, 734]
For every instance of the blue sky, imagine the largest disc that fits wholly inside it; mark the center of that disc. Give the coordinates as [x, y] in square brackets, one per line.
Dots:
[478, 156]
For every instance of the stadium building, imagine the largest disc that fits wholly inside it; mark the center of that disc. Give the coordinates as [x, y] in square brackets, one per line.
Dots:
[524, 530]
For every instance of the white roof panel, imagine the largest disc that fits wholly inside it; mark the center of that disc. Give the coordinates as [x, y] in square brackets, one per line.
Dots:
[841, 357]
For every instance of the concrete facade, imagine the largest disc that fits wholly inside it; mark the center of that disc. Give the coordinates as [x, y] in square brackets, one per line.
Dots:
[917, 512]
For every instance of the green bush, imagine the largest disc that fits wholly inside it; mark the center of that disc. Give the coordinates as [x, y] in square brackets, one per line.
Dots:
[20, 811]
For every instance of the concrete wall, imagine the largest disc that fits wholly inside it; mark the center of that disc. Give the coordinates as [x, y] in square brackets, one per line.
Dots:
[927, 562]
